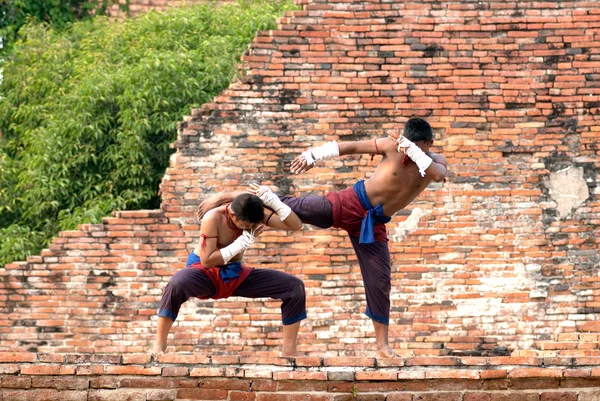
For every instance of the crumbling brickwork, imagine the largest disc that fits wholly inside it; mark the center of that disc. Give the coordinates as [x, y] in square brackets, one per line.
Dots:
[502, 259]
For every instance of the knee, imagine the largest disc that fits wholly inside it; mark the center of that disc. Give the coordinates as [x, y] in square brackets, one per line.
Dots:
[177, 282]
[296, 289]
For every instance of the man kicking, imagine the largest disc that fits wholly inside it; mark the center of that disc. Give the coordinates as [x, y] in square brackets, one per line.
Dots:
[407, 168]
[214, 269]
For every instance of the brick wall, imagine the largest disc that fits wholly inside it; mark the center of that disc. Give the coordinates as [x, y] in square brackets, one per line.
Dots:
[135, 377]
[503, 259]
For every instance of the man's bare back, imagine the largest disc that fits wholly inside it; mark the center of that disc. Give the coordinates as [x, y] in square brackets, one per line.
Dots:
[396, 183]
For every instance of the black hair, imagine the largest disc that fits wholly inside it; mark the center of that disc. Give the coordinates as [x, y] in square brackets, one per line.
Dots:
[248, 208]
[417, 129]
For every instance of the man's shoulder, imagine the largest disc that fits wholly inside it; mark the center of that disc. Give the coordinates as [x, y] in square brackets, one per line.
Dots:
[438, 158]
[213, 215]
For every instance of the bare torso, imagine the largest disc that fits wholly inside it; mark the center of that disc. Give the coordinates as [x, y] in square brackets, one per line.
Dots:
[226, 234]
[394, 184]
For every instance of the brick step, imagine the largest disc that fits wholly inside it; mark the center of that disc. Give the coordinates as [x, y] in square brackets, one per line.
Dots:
[556, 353]
[578, 337]
[564, 345]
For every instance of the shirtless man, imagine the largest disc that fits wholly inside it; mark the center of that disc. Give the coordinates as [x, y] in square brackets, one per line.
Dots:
[226, 232]
[407, 168]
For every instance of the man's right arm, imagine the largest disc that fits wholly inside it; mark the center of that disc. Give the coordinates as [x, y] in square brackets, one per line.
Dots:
[210, 255]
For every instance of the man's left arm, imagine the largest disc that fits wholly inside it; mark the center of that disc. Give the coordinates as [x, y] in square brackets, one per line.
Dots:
[438, 170]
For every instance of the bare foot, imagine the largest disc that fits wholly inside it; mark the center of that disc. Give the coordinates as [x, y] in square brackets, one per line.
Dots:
[294, 353]
[385, 351]
[159, 349]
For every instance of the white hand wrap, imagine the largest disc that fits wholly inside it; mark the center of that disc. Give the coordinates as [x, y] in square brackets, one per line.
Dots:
[415, 153]
[242, 243]
[323, 152]
[271, 200]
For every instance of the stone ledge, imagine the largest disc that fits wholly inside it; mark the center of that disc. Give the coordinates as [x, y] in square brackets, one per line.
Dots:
[300, 368]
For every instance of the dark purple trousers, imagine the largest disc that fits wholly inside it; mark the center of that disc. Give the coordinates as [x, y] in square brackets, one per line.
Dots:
[260, 283]
[373, 259]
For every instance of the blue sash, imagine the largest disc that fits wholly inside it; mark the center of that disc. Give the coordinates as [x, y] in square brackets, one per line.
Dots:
[374, 214]
[227, 272]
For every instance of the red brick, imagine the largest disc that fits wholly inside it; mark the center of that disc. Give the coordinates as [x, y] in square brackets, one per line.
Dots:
[493, 374]
[132, 370]
[16, 382]
[17, 357]
[452, 374]
[562, 396]
[399, 397]
[175, 371]
[297, 375]
[161, 395]
[225, 360]
[207, 372]
[136, 359]
[47, 370]
[94, 370]
[183, 359]
[340, 361]
[477, 397]
[117, 395]
[515, 396]
[202, 393]
[266, 361]
[104, 382]
[433, 361]
[512, 360]
[9, 369]
[242, 396]
[309, 361]
[535, 372]
[582, 361]
[411, 374]
[51, 358]
[376, 375]
[60, 383]
[445, 396]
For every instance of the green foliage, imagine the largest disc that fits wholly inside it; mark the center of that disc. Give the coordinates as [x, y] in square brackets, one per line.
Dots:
[15, 13]
[87, 114]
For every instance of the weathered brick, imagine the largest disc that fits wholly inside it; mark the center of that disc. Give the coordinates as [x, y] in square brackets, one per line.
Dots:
[117, 395]
[47, 369]
[17, 357]
[203, 393]
[16, 382]
[559, 396]
[132, 370]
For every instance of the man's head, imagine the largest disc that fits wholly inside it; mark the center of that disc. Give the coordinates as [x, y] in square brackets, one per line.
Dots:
[419, 131]
[248, 211]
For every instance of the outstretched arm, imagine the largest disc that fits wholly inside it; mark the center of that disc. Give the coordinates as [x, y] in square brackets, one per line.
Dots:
[308, 159]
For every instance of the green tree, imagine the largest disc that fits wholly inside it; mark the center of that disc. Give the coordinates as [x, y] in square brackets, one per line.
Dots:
[87, 113]
[15, 13]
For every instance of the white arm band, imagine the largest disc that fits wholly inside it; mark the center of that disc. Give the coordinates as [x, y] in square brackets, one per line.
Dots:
[242, 243]
[415, 153]
[323, 152]
[271, 200]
